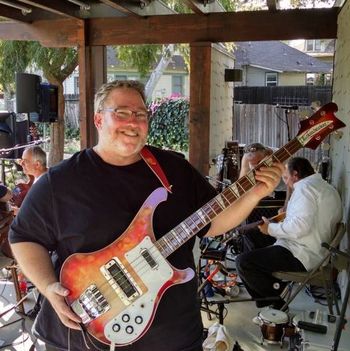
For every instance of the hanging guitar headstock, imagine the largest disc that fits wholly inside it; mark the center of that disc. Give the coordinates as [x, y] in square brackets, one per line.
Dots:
[323, 122]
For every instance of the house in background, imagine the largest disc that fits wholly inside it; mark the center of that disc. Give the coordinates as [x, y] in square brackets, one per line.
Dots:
[322, 49]
[175, 79]
[273, 63]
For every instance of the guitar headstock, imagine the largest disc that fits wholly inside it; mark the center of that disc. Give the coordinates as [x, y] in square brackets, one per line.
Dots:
[323, 122]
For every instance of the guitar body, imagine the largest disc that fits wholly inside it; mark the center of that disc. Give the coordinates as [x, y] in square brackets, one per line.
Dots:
[116, 290]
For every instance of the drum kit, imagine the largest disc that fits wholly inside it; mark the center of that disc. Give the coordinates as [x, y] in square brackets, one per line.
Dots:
[275, 325]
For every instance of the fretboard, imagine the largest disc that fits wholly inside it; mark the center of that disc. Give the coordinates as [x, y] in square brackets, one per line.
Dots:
[198, 220]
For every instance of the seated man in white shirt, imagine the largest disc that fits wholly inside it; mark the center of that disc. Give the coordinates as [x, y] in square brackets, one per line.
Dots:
[312, 213]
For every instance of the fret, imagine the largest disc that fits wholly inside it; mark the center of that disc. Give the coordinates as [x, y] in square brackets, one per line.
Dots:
[241, 186]
[233, 189]
[163, 247]
[284, 148]
[192, 223]
[201, 215]
[215, 205]
[250, 177]
[178, 234]
[220, 202]
[224, 199]
[188, 233]
[198, 221]
[207, 210]
[168, 242]
[212, 208]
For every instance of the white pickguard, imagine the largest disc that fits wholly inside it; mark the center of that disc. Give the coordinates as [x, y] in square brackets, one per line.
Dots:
[128, 325]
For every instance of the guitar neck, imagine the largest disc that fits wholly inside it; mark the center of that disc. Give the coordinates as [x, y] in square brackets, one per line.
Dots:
[279, 217]
[198, 220]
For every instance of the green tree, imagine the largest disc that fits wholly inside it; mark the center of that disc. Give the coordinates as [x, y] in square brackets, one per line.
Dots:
[14, 58]
[55, 63]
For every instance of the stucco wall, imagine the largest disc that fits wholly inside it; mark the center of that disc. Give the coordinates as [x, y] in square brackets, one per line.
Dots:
[340, 151]
[221, 104]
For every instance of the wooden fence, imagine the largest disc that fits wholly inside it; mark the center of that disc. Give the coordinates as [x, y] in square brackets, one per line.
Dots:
[272, 126]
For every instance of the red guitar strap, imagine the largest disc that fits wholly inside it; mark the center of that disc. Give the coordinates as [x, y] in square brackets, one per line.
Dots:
[155, 167]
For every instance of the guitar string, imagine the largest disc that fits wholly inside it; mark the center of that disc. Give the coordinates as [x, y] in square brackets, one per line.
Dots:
[155, 250]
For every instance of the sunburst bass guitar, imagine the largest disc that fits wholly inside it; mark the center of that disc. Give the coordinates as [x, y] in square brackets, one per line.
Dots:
[116, 290]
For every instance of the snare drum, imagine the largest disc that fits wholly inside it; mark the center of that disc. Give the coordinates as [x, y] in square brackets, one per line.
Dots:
[272, 325]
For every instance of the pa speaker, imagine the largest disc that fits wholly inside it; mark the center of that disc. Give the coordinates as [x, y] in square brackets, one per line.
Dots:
[48, 111]
[233, 75]
[27, 92]
[7, 133]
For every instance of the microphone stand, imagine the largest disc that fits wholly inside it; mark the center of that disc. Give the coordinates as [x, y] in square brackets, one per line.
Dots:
[341, 320]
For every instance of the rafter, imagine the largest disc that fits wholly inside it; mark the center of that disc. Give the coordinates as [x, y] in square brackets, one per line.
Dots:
[202, 7]
[57, 7]
[273, 5]
[14, 14]
[154, 7]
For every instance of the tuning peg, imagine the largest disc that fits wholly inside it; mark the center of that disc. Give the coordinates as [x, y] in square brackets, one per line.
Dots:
[338, 134]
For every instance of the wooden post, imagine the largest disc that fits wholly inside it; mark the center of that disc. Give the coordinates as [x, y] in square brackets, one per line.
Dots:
[92, 74]
[200, 81]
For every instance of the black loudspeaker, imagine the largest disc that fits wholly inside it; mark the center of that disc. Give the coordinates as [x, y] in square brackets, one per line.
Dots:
[12, 133]
[38, 99]
[233, 75]
[48, 111]
[7, 133]
[27, 92]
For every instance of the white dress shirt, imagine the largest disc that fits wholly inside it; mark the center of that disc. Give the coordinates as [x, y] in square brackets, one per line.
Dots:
[312, 213]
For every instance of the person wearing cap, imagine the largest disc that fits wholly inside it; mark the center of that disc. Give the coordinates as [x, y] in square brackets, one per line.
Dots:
[108, 184]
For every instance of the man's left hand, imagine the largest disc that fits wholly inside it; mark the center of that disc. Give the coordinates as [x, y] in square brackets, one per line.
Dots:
[267, 179]
[264, 227]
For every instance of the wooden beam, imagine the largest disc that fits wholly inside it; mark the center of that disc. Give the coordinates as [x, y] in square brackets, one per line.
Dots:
[200, 82]
[57, 7]
[53, 33]
[197, 6]
[179, 28]
[216, 27]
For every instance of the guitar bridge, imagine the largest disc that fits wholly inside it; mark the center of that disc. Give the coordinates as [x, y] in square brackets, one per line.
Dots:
[121, 281]
[90, 305]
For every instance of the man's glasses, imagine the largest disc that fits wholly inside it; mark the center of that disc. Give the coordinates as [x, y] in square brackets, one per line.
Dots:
[125, 114]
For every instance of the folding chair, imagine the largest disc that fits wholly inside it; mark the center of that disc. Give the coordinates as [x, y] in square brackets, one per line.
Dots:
[321, 275]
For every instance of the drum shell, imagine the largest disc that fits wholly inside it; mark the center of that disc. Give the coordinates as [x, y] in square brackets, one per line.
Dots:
[275, 325]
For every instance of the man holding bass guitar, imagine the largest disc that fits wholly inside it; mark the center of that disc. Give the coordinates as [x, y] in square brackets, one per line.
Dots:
[86, 202]
[308, 222]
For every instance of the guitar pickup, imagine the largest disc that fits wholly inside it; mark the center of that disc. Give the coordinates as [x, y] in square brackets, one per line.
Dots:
[121, 281]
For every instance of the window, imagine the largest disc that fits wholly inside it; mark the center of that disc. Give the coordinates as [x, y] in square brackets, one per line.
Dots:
[271, 79]
[120, 77]
[310, 78]
[313, 45]
[177, 85]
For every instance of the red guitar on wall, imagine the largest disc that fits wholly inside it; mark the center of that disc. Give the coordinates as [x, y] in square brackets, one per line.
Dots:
[116, 290]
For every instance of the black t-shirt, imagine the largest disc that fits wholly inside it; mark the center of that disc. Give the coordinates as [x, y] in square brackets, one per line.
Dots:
[83, 204]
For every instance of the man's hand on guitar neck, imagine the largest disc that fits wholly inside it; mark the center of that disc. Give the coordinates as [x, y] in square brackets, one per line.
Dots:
[264, 227]
[267, 179]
